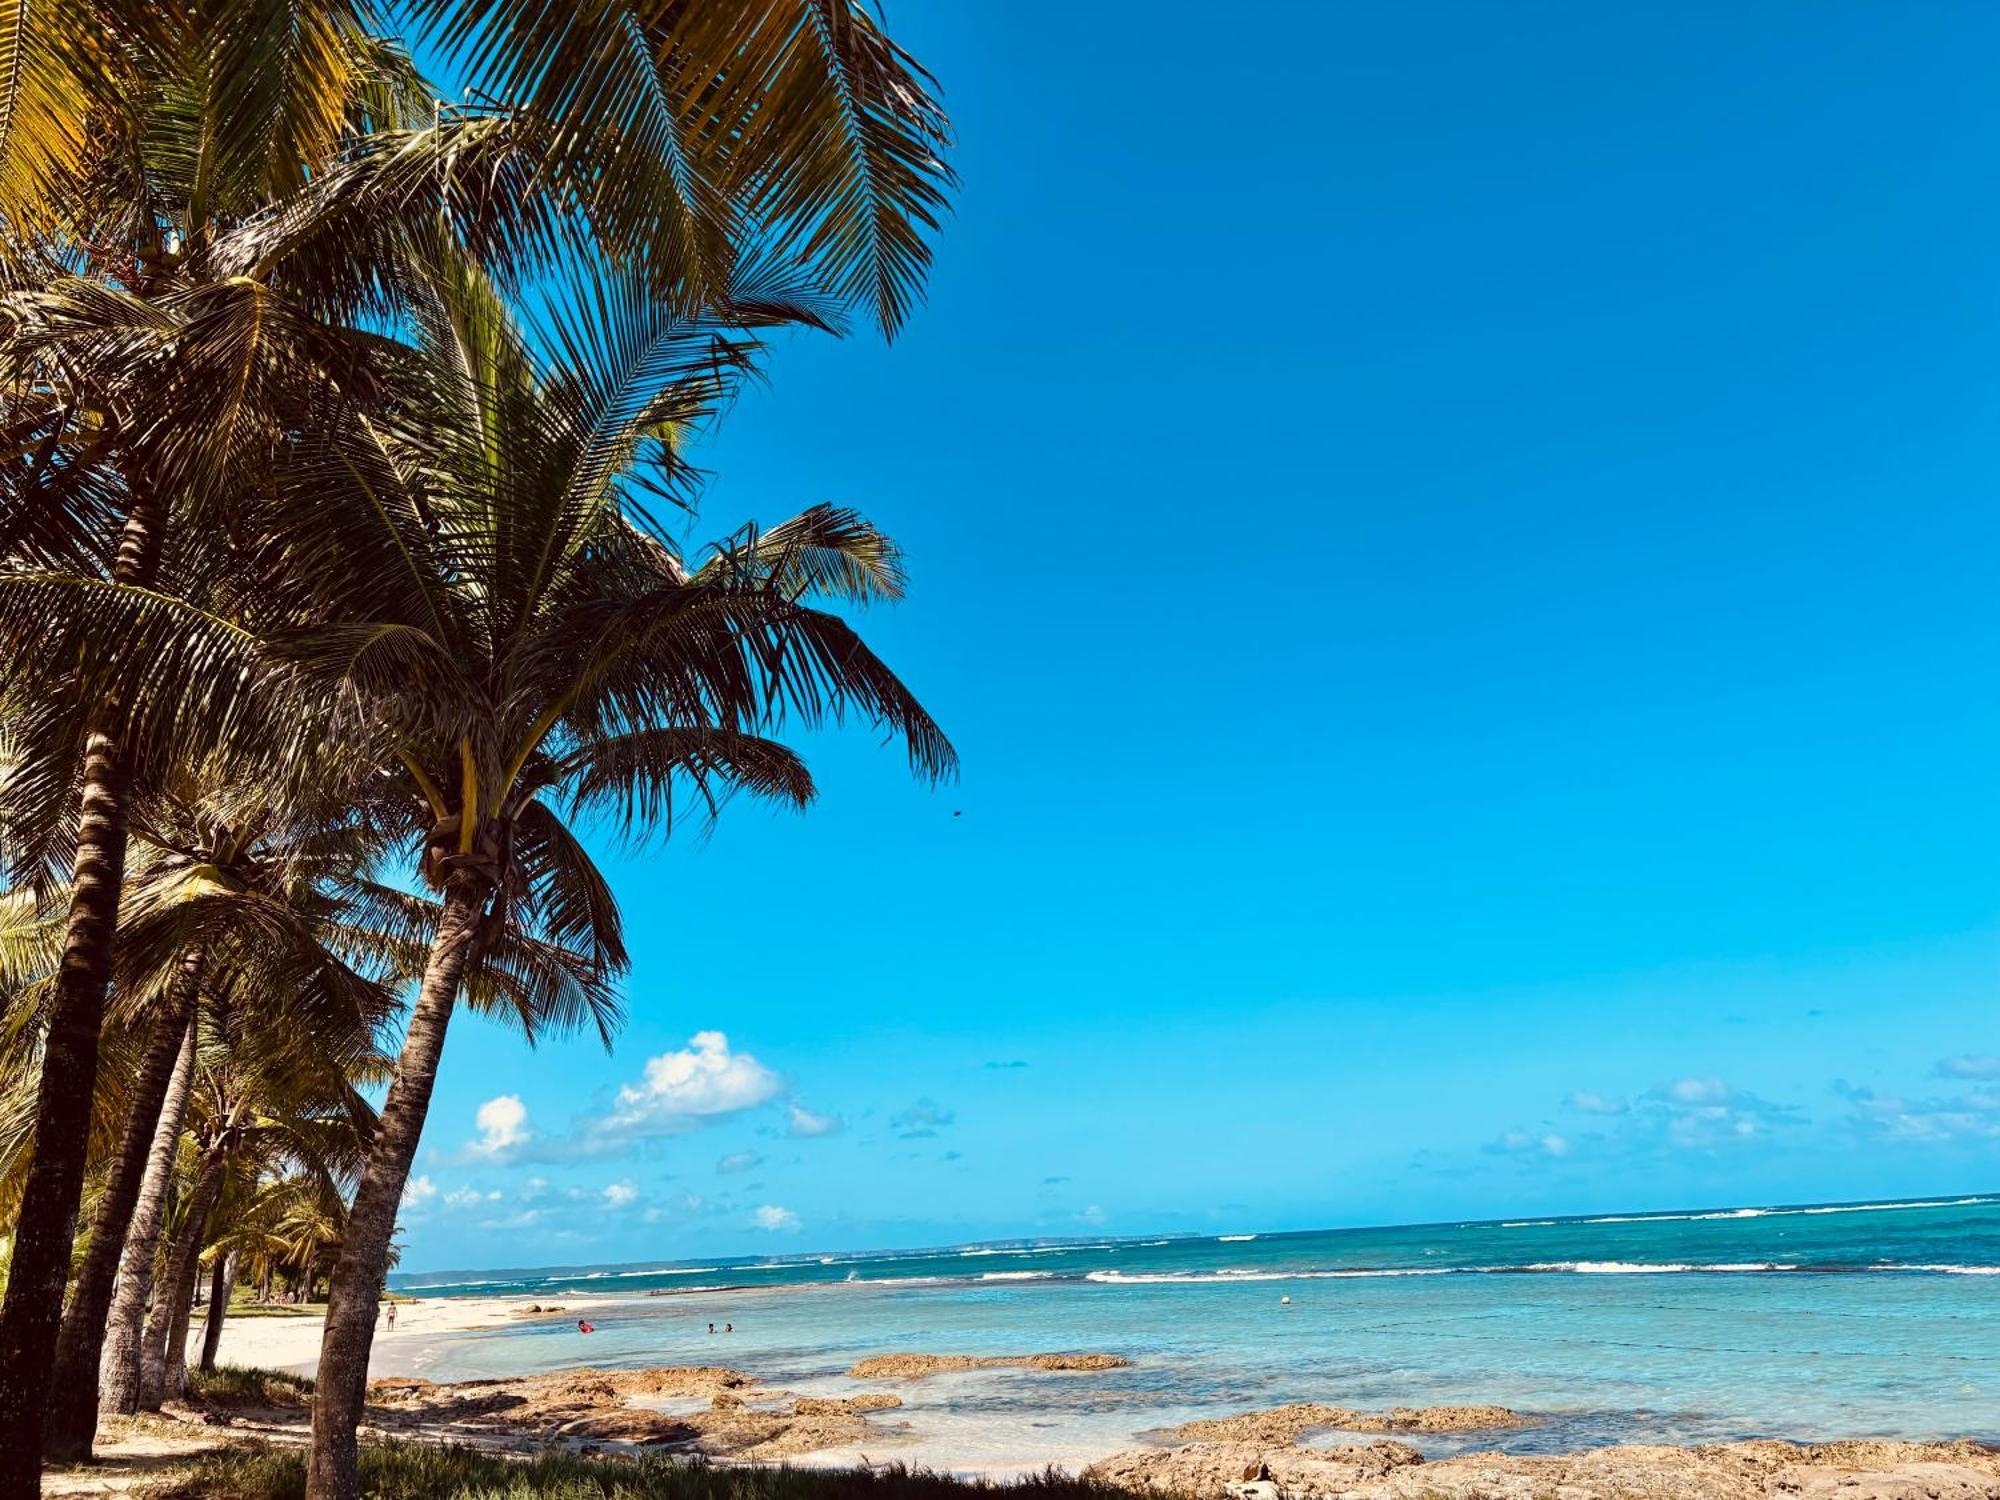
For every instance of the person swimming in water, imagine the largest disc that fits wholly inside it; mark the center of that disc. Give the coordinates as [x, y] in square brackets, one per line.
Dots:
[583, 1327]
[729, 1328]
[711, 1328]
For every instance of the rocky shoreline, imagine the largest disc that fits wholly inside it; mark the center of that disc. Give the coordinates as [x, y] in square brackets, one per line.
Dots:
[1279, 1453]
[1285, 1424]
[1761, 1470]
[648, 1408]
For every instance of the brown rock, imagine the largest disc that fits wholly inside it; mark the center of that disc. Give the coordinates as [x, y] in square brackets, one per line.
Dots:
[591, 1405]
[1284, 1424]
[1206, 1468]
[1864, 1470]
[1450, 1419]
[827, 1406]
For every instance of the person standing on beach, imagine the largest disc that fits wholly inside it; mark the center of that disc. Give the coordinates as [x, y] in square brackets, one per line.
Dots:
[392, 1315]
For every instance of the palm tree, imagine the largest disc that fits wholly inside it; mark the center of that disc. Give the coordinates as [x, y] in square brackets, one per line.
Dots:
[109, 420]
[515, 642]
[256, 160]
[221, 888]
[282, 1229]
[266, 1228]
[501, 639]
[127, 132]
[270, 1098]
[234, 892]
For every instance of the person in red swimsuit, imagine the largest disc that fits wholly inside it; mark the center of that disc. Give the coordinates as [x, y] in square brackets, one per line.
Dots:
[583, 1327]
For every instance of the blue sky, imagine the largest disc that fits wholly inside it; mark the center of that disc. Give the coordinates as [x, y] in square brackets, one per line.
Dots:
[1456, 544]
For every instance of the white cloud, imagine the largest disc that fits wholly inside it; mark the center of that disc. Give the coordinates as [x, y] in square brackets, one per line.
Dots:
[739, 1161]
[619, 1194]
[503, 1125]
[1972, 1117]
[681, 1089]
[806, 1124]
[1529, 1143]
[1969, 1066]
[1584, 1102]
[770, 1216]
[1697, 1091]
[418, 1191]
[1701, 1113]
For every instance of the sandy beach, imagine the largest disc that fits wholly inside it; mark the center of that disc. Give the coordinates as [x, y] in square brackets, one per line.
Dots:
[290, 1341]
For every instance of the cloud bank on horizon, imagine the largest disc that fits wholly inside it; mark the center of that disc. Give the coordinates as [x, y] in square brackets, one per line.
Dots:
[482, 1199]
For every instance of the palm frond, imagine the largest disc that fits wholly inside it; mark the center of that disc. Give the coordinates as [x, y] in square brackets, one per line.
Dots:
[797, 120]
[828, 550]
[45, 59]
[635, 775]
[571, 901]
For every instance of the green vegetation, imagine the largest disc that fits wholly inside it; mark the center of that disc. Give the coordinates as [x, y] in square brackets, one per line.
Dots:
[335, 607]
[249, 1308]
[246, 1385]
[409, 1471]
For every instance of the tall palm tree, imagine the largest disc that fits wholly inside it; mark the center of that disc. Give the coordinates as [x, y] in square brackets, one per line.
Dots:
[247, 148]
[516, 643]
[110, 420]
[222, 887]
[487, 627]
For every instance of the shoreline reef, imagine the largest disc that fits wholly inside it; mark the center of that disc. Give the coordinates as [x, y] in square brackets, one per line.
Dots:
[1758, 1469]
[714, 1414]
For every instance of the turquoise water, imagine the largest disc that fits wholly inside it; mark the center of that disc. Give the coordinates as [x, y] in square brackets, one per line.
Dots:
[1810, 1321]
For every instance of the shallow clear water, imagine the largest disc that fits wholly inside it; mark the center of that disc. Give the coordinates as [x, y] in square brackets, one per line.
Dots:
[1830, 1320]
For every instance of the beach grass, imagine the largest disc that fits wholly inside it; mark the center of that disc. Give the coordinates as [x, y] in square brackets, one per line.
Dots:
[423, 1471]
[245, 1385]
[276, 1309]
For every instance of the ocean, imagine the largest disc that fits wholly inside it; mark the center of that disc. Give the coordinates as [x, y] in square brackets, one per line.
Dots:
[1803, 1321]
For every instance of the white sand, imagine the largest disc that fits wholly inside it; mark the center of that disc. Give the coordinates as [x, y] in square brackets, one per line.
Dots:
[292, 1343]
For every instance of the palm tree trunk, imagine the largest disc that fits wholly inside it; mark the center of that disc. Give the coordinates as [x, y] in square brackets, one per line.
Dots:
[332, 1471]
[72, 1410]
[163, 1363]
[125, 1329]
[221, 1287]
[45, 1230]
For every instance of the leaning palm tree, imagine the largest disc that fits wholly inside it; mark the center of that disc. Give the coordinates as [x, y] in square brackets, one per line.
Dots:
[274, 147]
[515, 645]
[114, 436]
[474, 615]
